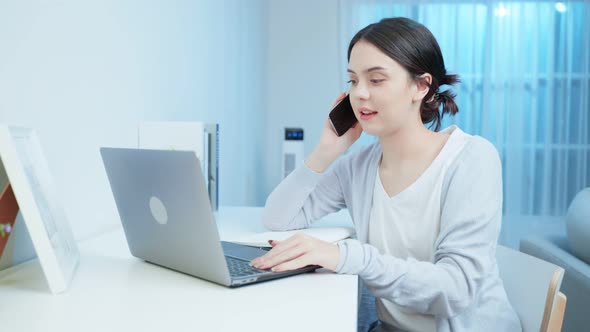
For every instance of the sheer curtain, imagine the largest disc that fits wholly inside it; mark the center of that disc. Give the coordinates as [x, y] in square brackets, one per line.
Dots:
[525, 70]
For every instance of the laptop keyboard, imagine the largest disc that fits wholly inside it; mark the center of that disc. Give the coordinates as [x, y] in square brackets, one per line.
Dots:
[240, 268]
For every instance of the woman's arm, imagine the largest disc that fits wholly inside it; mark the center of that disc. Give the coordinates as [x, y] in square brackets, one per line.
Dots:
[310, 192]
[301, 198]
[465, 249]
[307, 194]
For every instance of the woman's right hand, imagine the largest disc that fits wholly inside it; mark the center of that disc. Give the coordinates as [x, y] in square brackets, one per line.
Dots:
[331, 146]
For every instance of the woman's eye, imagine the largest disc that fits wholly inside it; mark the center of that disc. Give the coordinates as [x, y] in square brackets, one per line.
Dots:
[351, 82]
[377, 81]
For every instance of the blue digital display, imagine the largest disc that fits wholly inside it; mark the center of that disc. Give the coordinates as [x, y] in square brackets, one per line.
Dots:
[293, 134]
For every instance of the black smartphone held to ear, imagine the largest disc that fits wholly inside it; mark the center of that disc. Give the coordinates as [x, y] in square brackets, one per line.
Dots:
[342, 116]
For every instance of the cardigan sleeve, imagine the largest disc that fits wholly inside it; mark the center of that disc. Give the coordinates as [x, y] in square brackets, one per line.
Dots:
[303, 197]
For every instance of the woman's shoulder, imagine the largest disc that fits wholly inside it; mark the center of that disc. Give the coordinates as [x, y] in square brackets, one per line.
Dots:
[470, 146]
[476, 152]
[478, 165]
[480, 149]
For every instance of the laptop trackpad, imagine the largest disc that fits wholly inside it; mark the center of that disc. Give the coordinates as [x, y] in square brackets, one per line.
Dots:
[242, 251]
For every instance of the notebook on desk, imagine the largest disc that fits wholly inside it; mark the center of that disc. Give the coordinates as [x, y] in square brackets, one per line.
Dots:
[328, 234]
[167, 219]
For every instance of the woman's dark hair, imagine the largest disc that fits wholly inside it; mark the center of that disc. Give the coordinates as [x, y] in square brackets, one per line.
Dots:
[414, 47]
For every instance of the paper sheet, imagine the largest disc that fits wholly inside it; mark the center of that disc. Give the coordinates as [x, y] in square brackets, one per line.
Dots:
[329, 234]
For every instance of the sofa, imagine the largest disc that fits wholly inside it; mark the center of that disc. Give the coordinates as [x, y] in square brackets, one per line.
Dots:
[572, 252]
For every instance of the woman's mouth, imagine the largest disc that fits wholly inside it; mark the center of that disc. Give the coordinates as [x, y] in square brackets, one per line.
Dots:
[367, 114]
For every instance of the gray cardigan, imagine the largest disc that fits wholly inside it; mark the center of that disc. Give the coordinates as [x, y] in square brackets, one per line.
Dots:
[461, 288]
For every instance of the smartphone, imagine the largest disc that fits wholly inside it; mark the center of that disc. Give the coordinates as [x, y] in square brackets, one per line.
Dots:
[342, 116]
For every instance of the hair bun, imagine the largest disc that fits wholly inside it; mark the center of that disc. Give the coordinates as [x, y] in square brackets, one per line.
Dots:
[450, 79]
[447, 99]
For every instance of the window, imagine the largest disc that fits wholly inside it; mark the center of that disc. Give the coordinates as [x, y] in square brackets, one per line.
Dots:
[525, 70]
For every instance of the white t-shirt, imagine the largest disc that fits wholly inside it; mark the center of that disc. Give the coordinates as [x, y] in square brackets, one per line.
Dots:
[407, 226]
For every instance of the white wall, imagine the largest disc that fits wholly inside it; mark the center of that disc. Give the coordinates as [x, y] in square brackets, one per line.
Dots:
[303, 74]
[85, 73]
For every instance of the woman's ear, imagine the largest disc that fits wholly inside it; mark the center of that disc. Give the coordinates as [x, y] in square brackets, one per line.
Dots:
[423, 83]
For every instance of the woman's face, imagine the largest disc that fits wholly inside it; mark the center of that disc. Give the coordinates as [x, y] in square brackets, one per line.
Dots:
[381, 92]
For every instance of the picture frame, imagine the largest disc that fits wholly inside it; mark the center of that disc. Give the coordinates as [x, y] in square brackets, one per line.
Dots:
[28, 174]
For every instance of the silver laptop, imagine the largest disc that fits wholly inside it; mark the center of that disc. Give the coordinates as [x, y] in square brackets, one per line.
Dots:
[166, 215]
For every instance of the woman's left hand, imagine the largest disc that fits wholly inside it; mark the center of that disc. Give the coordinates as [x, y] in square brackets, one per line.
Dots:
[298, 251]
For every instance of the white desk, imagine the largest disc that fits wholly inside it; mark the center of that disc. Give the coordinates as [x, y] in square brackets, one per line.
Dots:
[114, 291]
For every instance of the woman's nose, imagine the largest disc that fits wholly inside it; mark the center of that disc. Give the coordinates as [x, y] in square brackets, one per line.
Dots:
[360, 92]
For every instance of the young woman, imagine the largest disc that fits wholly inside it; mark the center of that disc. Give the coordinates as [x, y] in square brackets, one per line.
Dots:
[427, 205]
